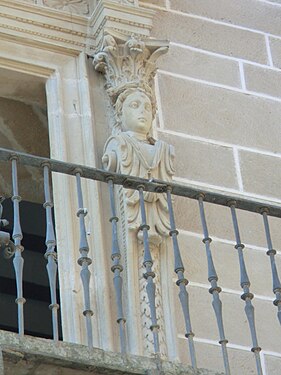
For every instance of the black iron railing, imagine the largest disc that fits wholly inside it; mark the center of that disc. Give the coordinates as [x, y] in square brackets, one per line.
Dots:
[161, 187]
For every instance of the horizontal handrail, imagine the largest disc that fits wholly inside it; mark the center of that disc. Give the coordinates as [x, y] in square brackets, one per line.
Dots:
[152, 185]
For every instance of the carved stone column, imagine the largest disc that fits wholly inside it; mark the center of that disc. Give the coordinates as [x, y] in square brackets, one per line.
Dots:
[129, 66]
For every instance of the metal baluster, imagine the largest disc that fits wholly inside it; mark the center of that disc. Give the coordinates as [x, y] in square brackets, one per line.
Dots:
[17, 237]
[246, 296]
[149, 274]
[215, 289]
[84, 261]
[271, 253]
[117, 269]
[181, 282]
[50, 254]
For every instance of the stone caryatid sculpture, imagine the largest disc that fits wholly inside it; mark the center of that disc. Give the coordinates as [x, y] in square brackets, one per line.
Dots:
[133, 151]
[129, 68]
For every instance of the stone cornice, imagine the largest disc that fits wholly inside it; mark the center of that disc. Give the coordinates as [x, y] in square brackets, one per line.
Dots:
[18, 66]
[43, 27]
[55, 30]
[126, 19]
[44, 11]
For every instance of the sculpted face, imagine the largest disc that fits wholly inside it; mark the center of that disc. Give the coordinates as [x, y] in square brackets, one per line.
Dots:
[137, 113]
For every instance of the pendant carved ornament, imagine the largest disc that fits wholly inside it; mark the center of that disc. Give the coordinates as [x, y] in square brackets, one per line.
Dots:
[73, 6]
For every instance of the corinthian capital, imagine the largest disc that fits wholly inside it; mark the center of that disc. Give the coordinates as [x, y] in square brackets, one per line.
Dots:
[128, 62]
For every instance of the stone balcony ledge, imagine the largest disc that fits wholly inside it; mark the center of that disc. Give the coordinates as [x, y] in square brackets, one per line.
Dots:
[36, 356]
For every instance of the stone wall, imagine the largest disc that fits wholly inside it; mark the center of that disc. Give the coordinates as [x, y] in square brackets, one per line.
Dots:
[218, 93]
[219, 103]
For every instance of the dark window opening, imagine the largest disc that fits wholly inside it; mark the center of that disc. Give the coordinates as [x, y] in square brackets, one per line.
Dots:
[37, 315]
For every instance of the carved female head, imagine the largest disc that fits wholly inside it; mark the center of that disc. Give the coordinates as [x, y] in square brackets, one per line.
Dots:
[135, 110]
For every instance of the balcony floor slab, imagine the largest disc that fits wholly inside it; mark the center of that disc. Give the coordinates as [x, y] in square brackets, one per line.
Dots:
[37, 356]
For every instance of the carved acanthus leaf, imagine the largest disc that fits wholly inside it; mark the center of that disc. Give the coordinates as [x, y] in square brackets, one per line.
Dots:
[128, 62]
[76, 6]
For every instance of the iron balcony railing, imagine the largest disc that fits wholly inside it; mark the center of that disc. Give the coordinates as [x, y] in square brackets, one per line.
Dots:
[203, 195]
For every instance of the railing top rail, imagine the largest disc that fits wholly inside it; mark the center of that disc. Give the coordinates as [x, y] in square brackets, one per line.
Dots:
[153, 185]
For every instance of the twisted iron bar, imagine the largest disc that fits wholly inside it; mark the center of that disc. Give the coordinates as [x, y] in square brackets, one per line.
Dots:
[215, 289]
[17, 237]
[149, 274]
[182, 281]
[276, 285]
[246, 296]
[117, 268]
[84, 261]
[51, 255]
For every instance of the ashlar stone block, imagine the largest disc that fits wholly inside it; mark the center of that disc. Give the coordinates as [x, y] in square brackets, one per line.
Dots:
[210, 36]
[208, 158]
[263, 80]
[200, 65]
[219, 114]
[236, 325]
[225, 258]
[275, 46]
[252, 14]
[273, 364]
[261, 174]
[220, 223]
[241, 361]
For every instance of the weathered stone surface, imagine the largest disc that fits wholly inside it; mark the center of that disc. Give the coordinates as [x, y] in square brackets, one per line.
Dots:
[207, 157]
[248, 13]
[210, 36]
[241, 361]
[159, 3]
[220, 223]
[76, 6]
[201, 66]
[219, 114]
[273, 364]
[43, 357]
[275, 46]
[263, 80]
[261, 174]
[237, 330]
[258, 263]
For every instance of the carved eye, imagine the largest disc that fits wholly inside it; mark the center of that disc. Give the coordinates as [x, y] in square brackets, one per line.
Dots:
[134, 105]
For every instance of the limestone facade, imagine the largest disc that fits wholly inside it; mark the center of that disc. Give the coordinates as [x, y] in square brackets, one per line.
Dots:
[218, 98]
